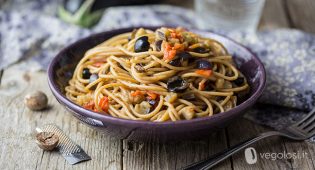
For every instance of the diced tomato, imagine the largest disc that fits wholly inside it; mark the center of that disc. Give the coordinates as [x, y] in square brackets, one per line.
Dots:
[98, 64]
[104, 104]
[89, 105]
[205, 73]
[171, 30]
[173, 35]
[167, 46]
[152, 95]
[202, 85]
[171, 54]
[179, 47]
[176, 35]
[137, 93]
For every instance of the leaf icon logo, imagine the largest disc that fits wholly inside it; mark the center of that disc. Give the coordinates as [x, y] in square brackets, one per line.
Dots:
[250, 155]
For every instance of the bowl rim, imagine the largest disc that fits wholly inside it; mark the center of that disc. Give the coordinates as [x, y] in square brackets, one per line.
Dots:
[115, 120]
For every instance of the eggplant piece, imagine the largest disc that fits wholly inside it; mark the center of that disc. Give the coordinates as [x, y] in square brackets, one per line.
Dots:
[158, 45]
[93, 78]
[177, 84]
[203, 64]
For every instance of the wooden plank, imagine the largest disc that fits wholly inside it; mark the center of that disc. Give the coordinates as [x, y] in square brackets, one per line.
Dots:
[173, 155]
[301, 14]
[18, 149]
[305, 152]
[273, 15]
[244, 129]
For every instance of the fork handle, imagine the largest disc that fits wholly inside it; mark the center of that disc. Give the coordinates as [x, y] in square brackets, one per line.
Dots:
[219, 157]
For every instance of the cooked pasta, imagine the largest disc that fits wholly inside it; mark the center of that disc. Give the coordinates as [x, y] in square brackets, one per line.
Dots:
[165, 75]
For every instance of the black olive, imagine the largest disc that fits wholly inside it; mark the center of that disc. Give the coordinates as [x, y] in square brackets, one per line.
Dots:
[184, 55]
[181, 59]
[93, 78]
[200, 50]
[239, 81]
[177, 84]
[220, 98]
[175, 62]
[208, 86]
[204, 107]
[189, 96]
[230, 74]
[86, 73]
[158, 45]
[203, 64]
[142, 44]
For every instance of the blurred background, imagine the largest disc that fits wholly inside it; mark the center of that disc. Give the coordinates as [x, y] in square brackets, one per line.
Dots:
[209, 14]
[37, 29]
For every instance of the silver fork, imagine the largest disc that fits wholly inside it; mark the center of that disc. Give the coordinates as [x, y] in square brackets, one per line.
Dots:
[301, 130]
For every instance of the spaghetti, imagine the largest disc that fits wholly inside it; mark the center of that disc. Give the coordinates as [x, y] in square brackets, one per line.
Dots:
[162, 75]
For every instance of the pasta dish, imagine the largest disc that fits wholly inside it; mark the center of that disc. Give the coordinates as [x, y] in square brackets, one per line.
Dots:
[169, 74]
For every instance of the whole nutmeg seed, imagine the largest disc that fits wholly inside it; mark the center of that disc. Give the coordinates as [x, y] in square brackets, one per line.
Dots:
[47, 140]
[36, 100]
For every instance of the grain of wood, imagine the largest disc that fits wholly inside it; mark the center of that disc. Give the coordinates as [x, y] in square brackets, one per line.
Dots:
[248, 129]
[274, 15]
[305, 152]
[174, 155]
[18, 149]
[301, 14]
[244, 129]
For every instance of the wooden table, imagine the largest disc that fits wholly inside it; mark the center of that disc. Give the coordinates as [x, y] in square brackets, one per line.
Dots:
[19, 151]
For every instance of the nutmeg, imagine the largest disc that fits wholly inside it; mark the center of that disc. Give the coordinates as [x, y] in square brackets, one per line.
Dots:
[47, 140]
[36, 100]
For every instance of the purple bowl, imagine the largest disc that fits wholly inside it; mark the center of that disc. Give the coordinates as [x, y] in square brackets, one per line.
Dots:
[61, 69]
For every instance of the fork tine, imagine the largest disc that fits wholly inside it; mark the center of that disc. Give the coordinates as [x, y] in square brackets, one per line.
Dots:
[311, 133]
[304, 128]
[304, 120]
[308, 122]
[310, 127]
